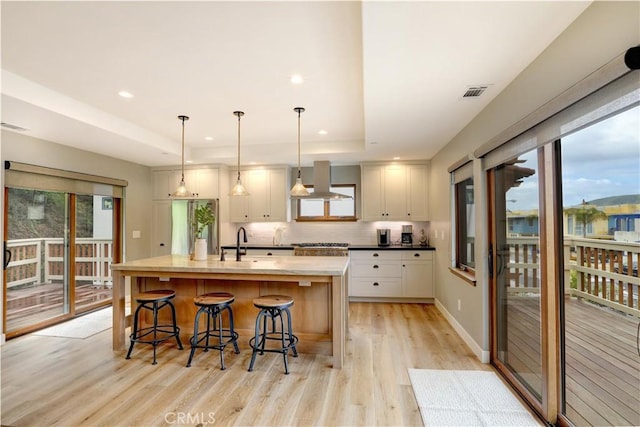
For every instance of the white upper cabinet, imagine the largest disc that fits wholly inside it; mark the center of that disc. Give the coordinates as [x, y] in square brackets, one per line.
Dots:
[417, 201]
[207, 183]
[268, 196]
[394, 192]
[202, 183]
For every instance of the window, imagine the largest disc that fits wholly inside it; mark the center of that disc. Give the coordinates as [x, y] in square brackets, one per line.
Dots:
[463, 219]
[329, 210]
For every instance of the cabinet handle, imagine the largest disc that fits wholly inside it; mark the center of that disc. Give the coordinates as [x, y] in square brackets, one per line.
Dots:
[376, 254]
[269, 254]
[403, 265]
[375, 266]
[416, 255]
[409, 214]
[376, 284]
[161, 244]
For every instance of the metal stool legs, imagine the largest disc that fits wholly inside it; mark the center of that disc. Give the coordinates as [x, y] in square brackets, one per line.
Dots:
[139, 335]
[286, 337]
[220, 336]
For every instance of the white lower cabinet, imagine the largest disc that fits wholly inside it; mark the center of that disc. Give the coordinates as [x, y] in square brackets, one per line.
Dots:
[391, 274]
[417, 274]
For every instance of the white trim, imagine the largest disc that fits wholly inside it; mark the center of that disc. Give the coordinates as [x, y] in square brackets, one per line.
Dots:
[481, 354]
[3, 339]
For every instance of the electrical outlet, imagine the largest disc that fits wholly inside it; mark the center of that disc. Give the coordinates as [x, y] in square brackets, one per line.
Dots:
[459, 305]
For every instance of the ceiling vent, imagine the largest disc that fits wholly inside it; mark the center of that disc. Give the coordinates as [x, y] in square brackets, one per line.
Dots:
[12, 127]
[474, 91]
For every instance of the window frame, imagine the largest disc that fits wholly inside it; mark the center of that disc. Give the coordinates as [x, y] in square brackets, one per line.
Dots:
[326, 217]
[461, 175]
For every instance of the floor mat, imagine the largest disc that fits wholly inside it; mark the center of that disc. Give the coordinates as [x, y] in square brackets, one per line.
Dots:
[81, 327]
[467, 398]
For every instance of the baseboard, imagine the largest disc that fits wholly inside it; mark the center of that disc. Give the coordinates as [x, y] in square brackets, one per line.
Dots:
[481, 354]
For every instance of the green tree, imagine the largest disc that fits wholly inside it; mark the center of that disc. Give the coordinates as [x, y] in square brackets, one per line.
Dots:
[585, 214]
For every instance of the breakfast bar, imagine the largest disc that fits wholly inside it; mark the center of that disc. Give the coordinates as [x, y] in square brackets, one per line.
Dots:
[318, 286]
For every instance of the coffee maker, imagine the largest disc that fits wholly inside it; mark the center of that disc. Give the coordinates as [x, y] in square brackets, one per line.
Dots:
[384, 237]
[407, 235]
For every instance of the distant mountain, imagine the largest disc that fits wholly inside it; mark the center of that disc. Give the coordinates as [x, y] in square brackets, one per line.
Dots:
[616, 200]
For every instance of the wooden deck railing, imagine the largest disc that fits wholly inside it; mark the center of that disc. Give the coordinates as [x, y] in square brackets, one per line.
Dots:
[37, 261]
[604, 272]
[607, 273]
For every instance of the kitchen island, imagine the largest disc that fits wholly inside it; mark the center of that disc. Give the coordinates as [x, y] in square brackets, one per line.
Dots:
[318, 286]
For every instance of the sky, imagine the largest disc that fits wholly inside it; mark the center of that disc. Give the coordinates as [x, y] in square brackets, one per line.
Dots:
[599, 161]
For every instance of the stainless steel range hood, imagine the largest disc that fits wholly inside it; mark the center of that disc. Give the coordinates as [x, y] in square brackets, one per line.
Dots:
[322, 183]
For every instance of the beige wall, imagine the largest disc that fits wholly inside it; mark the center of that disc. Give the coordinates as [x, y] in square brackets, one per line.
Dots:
[21, 148]
[602, 32]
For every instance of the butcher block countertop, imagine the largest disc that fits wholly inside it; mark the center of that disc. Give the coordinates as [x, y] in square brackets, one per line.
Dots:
[282, 265]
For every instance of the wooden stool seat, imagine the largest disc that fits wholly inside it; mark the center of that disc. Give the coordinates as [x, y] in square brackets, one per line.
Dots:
[273, 301]
[275, 308]
[214, 298]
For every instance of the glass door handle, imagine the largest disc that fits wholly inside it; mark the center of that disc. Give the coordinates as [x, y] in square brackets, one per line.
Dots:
[7, 256]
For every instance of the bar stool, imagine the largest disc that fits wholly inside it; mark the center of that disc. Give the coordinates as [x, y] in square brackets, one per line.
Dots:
[273, 307]
[216, 338]
[154, 301]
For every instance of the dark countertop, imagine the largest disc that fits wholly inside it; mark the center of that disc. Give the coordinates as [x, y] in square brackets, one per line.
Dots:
[259, 246]
[351, 247]
[390, 248]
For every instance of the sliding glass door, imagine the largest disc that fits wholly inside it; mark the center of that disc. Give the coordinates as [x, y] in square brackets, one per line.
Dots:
[516, 253]
[59, 249]
[37, 285]
[564, 218]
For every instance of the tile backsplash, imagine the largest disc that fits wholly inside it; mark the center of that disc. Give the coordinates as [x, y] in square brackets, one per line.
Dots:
[354, 233]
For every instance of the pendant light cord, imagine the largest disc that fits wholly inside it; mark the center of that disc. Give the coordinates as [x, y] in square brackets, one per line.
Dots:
[239, 146]
[299, 174]
[182, 171]
[239, 114]
[299, 110]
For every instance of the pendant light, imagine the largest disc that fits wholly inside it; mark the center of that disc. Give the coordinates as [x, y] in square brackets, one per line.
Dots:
[238, 189]
[182, 191]
[298, 189]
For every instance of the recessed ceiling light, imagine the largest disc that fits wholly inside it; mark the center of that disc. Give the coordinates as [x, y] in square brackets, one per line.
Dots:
[252, 163]
[125, 94]
[396, 158]
[297, 79]
[322, 132]
[208, 138]
[188, 161]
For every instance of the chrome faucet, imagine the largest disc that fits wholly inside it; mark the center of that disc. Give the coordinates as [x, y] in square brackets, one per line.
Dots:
[238, 252]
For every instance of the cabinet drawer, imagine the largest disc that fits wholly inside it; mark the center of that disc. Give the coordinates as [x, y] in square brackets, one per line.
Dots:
[373, 287]
[375, 255]
[417, 255]
[376, 269]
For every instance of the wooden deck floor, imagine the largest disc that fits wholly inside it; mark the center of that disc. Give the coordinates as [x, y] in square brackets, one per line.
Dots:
[36, 304]
[602, 362]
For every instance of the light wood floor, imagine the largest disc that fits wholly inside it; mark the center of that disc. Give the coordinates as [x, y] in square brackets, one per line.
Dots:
[73, 382]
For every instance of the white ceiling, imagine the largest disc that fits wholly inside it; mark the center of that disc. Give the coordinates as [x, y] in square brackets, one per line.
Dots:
[384, 79]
